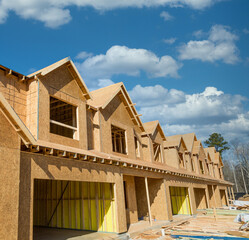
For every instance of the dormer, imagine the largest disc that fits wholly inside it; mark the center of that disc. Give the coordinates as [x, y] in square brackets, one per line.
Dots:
[154, 138]
[58, 99]
[175, 152]
[199, 154]
[115, 123]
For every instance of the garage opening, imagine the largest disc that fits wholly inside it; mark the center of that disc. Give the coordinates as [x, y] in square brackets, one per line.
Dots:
[180, 200]
[74, 205]
[200, 198]
[223, 198]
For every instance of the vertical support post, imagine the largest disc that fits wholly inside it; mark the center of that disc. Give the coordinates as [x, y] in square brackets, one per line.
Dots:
[215, 215]
[232, 193]
[148, 199]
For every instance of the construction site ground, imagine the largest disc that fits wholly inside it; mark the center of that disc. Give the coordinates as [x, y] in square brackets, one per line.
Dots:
[205, 225]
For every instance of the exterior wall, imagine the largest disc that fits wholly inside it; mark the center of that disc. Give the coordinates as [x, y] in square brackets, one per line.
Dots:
[147, 149]
[37, 166]
[60, 84]
[131, 211]
[15, 93]
[9, 180]
[116, 114]
[32, 107]
[171, 157]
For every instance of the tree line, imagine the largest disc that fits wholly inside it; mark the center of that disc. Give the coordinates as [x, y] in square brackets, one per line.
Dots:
[236, 161]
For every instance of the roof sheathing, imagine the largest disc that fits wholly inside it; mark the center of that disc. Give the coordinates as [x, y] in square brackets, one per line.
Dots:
[103, 96]
[150, 128]
[72, 69]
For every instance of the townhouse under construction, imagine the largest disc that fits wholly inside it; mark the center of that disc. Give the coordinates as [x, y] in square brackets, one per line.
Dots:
[74, 159]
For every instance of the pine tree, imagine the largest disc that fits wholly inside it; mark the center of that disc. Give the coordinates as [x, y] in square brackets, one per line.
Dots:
[216, 140]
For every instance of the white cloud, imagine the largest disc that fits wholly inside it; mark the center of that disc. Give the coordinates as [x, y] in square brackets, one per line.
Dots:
[104, 82]
[166, 16]
[169, 40]
[127, 61]
[245, 31]
[54, 13]
[206, 112]
[83, 55]
[220, 46]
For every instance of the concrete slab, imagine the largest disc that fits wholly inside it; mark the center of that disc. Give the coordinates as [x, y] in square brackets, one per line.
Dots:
[42, 233]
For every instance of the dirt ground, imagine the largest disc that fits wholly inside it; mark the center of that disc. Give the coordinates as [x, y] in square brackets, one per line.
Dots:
[203, 224]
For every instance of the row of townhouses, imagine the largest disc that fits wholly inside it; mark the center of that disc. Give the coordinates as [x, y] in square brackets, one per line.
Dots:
[75, 159]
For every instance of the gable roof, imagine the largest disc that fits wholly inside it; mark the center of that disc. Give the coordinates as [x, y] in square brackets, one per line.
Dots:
[174, 141]
[208, 155]
[211, 151]
[15, 121]
[150, 128]
[218, 159]
[188, 139]
[73, 70]
[103, 96]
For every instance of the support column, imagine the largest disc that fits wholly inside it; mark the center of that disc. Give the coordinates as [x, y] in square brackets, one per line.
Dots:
[232, 193]
[227, 199]
[148, 199]
[120, 204]
[169, 207]
[192, 200]
[207, 196]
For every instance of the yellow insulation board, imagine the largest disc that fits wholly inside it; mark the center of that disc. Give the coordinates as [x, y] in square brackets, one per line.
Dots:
[74, 205]
[180, 200]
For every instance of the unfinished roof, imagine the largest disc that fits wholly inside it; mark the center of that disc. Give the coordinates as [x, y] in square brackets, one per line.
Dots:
[15, 121]
[211, 151]
[9, 72]
[208, 155]
[218, 159]
[103, 96]
[73, 70]
[188, 139]
[174, 141]
[150, 128]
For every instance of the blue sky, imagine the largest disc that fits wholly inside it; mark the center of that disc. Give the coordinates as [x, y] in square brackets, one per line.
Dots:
[184, 62]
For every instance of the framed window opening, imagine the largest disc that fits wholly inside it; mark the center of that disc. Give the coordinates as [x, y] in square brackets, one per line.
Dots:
[201, 167]
[181, 160]
[157, 152]
[118, 140]
[63, 118]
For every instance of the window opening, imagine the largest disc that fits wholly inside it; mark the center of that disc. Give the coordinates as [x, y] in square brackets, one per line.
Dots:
[201, 167]
[118, 140]
[157, 152]
[63, 118]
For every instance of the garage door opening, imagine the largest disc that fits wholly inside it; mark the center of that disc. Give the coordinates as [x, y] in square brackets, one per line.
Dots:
[74, 205]
[200, 198]
[180, 200]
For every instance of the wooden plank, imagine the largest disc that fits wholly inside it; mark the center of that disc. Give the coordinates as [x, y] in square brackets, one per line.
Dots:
[148, 199]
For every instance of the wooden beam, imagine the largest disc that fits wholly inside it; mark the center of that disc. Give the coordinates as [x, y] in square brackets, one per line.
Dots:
[148, 199]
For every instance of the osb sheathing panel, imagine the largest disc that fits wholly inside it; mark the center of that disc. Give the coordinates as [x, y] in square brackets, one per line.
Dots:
[158, 202]
[45, 167]
[147, 149]
[32, 107]
[142, 206]
[171, 157]
[60, 84]
[116, 114]
[15, 93]
[132, 216]
[9, 180]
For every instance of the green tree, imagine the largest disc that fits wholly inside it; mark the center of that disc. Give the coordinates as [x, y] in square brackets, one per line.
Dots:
[216, 140]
